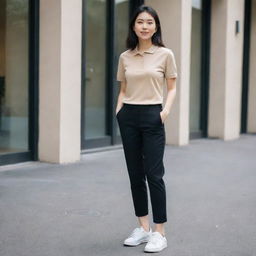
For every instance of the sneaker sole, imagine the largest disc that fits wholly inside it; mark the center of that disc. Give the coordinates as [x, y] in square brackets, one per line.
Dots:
[158, 250]
[141, 242]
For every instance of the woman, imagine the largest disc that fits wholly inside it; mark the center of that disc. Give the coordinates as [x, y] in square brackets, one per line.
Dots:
[143, 70]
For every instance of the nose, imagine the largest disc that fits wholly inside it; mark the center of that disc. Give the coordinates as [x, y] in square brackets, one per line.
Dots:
[144, 25]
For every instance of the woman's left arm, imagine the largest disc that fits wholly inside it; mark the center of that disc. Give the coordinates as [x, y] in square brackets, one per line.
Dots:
[171, 93]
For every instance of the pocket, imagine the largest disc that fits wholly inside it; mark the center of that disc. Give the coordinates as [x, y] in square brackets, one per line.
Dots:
[160, 118]
[119, 111]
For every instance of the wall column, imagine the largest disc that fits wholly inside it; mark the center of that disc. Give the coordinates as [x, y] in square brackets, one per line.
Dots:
[226, 69]
[60, 80]
[175, 18]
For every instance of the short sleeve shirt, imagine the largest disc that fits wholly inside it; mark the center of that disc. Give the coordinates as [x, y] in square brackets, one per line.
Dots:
[145, 74]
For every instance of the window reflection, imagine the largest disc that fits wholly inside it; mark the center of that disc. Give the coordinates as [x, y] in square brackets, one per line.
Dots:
[95, 54]
[195, 67]
[13, 75]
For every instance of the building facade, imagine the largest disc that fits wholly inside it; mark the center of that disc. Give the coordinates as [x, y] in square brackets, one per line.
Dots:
[58, 62]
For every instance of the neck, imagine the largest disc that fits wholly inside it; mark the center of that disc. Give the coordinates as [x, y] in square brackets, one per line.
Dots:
[144, 44]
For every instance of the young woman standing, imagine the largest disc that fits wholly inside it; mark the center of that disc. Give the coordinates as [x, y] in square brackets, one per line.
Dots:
[143, 70]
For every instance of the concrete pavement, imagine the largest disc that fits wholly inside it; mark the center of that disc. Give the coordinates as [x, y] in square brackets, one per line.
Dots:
[86, 208]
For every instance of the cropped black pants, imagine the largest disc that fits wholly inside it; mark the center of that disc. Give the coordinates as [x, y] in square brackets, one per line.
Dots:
[143, 136]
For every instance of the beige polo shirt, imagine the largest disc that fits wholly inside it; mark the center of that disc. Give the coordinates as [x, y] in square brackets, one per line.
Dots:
[145, 74]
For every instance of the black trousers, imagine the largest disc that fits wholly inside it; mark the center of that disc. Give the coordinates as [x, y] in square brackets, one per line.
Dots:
[143, 136]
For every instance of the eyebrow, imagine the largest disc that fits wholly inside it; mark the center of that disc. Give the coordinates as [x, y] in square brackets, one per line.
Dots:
[146, 19]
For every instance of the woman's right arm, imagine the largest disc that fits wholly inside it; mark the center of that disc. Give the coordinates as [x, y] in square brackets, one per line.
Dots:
[121, 96]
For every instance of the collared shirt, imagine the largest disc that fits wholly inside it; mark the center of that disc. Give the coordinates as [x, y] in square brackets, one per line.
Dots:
[145, 74]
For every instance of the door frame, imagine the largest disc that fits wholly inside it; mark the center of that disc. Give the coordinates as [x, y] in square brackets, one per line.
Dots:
[246, 65]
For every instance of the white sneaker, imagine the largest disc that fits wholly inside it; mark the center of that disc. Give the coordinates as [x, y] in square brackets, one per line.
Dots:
[138, 236]
[156, 243]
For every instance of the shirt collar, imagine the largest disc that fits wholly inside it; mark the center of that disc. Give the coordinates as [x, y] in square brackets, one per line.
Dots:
[149, 50]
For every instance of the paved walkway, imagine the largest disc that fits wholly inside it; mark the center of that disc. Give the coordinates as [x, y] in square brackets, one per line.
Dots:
[86, 208]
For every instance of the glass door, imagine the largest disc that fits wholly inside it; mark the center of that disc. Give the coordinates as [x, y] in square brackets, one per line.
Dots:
[199, 68]
[105, 27]
[94, 70]
[195, 68]
[16, 52]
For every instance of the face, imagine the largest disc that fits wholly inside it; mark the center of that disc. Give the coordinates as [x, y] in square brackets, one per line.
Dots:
[144, 26]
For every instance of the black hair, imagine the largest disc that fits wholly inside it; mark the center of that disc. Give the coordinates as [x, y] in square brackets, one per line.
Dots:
[132, 39]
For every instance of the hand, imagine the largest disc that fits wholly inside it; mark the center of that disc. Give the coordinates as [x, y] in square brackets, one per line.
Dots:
[164, 113]
[118, 109]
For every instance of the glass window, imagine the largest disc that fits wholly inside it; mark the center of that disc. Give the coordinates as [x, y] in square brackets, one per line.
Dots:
[195, 67]
[97, 125]
[197, 4]
[95, 68]
[14, 75]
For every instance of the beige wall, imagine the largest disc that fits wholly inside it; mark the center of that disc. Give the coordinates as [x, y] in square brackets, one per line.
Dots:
[225, 69]
[60, 80]
[175, 18]
[251, 125]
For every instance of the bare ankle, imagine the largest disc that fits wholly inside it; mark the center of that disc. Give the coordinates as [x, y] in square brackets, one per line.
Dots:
[144, 222]
[146, 228]
[160, 228]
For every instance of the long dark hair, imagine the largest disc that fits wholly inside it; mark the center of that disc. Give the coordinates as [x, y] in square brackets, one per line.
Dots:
[132, 39]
